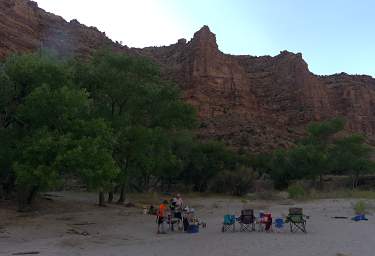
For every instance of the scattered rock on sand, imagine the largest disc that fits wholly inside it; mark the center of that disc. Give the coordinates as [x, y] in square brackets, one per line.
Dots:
[76, 232]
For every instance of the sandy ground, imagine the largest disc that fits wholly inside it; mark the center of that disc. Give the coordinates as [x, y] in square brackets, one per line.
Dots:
[72, 225]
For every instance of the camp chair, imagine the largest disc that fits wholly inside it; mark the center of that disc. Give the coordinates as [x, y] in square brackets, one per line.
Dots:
[229, 223]
[172, 221]
[260, 221]
[279, 224]
[296, 220]
[247, 220]
[265, 222]
[176, 217]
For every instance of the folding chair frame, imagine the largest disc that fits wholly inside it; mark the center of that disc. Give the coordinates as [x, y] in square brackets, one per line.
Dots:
[247, 227]
[247, 220]
[229, 223]
[297, 225]
[228, 227]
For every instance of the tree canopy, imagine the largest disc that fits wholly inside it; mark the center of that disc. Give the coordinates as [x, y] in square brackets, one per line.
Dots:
[105, 120]
[113, 122]
[324, 150]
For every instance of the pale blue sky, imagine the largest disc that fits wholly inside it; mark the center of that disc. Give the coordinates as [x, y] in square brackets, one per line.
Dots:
[333, 35]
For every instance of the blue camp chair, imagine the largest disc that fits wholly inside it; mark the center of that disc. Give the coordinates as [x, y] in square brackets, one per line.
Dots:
[229, 223]
[279, 224]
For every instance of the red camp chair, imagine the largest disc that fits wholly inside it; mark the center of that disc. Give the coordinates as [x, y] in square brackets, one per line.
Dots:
[265, 222]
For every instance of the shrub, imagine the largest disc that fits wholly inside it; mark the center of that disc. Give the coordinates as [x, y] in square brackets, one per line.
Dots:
[237, 182]
[296, 191]
[266, 195]
[360, 207]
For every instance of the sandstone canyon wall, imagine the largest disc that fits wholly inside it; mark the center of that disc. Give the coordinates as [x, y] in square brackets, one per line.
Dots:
[24, 27]
[259, 103]
[253, 103]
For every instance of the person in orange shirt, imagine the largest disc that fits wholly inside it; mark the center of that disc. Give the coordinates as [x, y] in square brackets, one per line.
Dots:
[162, 216]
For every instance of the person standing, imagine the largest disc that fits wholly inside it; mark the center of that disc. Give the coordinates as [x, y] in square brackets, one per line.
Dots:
[179, 202]
[162, 216]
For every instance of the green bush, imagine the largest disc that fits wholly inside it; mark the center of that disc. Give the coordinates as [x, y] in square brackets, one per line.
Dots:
[360, 207]
[296, 191]
[237, 182]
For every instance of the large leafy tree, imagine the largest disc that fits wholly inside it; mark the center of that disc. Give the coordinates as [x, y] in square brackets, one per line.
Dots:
[142, 109]
[62, 136]
[352, 156]
[278, 168]
[318, 145]
[50, 128]
[149, 156]
[19, 75]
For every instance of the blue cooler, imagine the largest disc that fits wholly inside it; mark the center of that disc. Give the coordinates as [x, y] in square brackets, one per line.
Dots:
[193, 229]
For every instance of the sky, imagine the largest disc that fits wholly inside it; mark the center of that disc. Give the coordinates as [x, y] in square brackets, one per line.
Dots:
[333, 35]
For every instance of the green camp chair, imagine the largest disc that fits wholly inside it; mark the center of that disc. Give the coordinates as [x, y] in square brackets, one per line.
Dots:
[296, 220]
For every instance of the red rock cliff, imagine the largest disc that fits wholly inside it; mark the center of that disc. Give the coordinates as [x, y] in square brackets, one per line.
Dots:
[254, 103]
[24, 28]
[259, 103]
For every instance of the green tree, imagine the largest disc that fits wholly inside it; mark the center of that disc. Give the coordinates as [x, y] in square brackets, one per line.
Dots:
[319, 141]
[23, 73]
[324, 150]
[279, 169]
[205, 161]
[322, 132]
[48, 125]
[142, 109]
[352, 156]
[19, 75]
[236, 182]
[62, 136]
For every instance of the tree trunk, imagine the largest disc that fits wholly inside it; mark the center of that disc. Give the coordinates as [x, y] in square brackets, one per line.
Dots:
[162, 185]
[353, 181]
[31, 196]
[121, 200]
[22, 200]
[356, 179]
[146, 183]
[101, 198]
[169, 187]
[110, 197]
[321, 181]
[25, 198]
